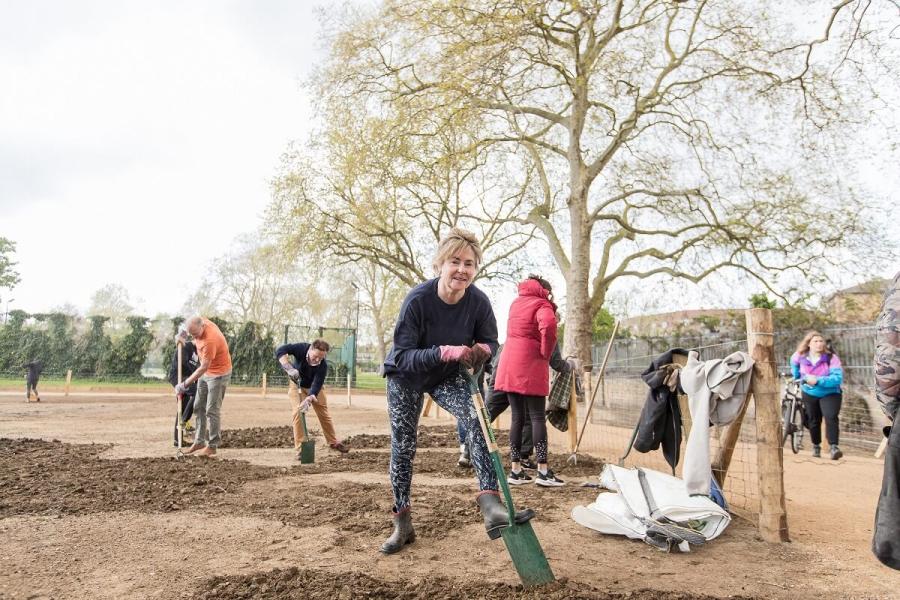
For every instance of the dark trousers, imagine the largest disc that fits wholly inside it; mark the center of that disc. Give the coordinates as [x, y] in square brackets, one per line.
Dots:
[187, 411]
[886, 537]
[497, 403]
[527, 408]
[31, 386]
[828, 407]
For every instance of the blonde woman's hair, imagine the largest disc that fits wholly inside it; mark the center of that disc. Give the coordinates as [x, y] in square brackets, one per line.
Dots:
[803, 346]
[454, 242]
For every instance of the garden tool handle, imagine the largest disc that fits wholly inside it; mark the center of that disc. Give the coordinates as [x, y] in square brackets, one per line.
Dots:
[491, 442]
[303, 422]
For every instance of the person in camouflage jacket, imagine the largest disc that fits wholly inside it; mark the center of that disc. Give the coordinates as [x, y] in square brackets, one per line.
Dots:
[887, 351]
[886, 539]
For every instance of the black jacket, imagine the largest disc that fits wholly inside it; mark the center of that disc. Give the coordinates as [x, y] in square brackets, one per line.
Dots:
[312, 377]
[34, 369]
[190, 362]
[660, 421]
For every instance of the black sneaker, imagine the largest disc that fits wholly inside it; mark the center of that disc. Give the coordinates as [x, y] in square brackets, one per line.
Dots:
[519, 478]
[836, 452]
[817, 451]
[548, 479]
[527, 463]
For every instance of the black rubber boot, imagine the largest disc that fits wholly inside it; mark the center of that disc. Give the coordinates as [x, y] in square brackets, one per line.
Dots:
[496, 517]
[403, 532]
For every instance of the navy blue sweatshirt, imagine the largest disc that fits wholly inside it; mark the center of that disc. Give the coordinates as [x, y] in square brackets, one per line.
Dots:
[426, 322]
[311, 378]
[34, 369]
[190, 362]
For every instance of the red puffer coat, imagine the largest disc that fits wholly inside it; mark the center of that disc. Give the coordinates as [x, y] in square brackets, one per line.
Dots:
[530, 338]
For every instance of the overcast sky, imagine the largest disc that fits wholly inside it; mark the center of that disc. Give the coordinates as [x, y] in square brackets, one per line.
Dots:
[127, 128]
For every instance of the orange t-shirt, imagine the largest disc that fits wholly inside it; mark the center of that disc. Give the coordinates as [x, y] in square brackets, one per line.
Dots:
[212, 346]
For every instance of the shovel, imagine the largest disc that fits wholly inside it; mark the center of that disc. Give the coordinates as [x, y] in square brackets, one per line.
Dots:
[521, 542]
[660, 529]
[178, 453]
[307, 446]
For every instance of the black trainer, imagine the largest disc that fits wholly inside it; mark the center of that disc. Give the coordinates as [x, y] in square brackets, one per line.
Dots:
[548, 479]
[527, 463]
[519, 478]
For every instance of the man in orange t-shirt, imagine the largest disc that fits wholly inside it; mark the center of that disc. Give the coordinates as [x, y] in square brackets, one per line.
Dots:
[213, 374]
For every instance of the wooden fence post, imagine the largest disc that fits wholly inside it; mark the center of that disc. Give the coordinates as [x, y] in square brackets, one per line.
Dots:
[264, 386]
[769, 458]
[348, 388]
[68, 381]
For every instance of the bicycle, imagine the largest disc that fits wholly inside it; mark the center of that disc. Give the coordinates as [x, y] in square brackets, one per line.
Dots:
[792, 413]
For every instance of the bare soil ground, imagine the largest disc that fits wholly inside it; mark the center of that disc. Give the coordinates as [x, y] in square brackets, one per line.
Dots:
[93, 504]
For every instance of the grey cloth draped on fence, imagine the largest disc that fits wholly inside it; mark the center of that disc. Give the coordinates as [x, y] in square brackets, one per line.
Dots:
[716, 389]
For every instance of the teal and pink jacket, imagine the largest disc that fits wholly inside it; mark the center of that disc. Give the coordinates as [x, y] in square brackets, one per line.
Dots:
[827, 369]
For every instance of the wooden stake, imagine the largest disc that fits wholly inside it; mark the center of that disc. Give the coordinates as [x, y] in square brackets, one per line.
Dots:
[68, 381]
[769, 458]
[573, 420]
[265, 386]
[881, 448]
[348, 387]
[428, 403]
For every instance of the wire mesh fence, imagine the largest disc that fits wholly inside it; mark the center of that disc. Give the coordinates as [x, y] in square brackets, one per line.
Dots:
[617, 408]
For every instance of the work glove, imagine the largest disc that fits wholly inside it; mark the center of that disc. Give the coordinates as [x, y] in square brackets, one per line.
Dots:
[292, 373]
[307, 403]
[481, 354]
[181, 335]
[456, 354]
[180, 389]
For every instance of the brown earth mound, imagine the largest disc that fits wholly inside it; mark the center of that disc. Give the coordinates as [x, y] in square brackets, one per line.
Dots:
[322, 585]
[259, 437]
[41, 477]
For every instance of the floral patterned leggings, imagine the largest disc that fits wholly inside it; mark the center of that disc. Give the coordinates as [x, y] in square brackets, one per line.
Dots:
[404, 408]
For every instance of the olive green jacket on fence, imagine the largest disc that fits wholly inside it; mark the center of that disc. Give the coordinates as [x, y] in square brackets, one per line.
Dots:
[887, 350]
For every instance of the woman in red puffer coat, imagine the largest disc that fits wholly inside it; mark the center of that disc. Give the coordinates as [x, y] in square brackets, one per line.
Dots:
[524, 373]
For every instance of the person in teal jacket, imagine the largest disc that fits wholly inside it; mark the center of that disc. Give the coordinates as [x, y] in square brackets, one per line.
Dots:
[822, 375]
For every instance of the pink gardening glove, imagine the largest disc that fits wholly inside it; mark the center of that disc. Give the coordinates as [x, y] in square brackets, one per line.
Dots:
[455, 353]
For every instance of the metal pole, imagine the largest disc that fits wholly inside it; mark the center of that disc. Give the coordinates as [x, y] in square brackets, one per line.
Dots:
[351, 368]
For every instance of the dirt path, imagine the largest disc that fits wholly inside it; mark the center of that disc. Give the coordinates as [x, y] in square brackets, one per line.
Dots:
[122, 518]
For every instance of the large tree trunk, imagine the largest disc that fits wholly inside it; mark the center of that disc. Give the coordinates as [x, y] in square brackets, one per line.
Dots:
[578, 300]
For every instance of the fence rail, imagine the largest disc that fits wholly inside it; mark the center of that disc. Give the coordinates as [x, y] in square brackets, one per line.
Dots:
[15, 379]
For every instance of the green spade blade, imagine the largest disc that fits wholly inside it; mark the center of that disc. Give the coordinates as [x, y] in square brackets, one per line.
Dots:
[527, 555]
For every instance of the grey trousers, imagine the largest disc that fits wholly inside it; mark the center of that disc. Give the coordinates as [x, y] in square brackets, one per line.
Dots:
[208, 409]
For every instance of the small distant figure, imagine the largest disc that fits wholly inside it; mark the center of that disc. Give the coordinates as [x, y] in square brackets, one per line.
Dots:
[32, 374]
[822, 375]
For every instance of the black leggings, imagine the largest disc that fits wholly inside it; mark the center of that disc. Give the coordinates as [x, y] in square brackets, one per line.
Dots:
[534, 406]
[828, 407]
